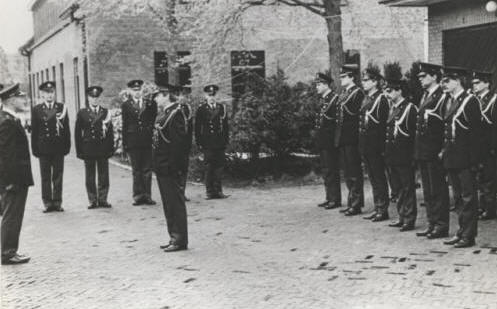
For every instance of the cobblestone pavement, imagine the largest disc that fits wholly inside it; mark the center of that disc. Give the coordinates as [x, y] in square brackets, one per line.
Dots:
[261, 248]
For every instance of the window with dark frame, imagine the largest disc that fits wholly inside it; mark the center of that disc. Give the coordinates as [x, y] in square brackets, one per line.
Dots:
[62, 83]
[246, 63]
[37, 93]
[184, 70]
[54, 78]
[161, 68]
[47, 75]
[76, 83]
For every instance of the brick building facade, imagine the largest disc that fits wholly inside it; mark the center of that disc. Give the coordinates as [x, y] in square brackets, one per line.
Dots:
[461, 32]
[110, 51]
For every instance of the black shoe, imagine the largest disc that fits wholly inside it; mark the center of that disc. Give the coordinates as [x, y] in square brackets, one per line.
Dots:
[465, 243]
[164, 246]
[425, 232]
[396, 224]
[380, 217]
[173, 247]
[187, 199]
[105, 205]
[59, 209]
[370, 216]
[93, 206]
[454, 240]
[353, 212]
[323, 204]
[138, 203]
[438, 234]
[487, 216]
[149, 201]
[16, 259]
[222, 196]
[407, 227]
[332, 206]
[49, 209]
[344, 210]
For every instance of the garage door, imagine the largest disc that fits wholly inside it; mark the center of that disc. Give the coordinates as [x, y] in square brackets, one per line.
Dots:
[473, 47]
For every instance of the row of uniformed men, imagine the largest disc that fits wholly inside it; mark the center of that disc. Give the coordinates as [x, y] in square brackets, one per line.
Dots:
[452, 132]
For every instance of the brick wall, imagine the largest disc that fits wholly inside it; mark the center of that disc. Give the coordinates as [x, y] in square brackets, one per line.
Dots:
[454, 15]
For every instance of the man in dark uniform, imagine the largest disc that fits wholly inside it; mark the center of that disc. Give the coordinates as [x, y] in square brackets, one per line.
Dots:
[50, 142]
[138, 117]
[428, 143]
[15, 175]
[188, 113]
[372, 133]
[170, 158]
[487, 171]
[94, 138]
[325, 134]
[346, 138]
[212, 136]
[461, 151]
[401, 128]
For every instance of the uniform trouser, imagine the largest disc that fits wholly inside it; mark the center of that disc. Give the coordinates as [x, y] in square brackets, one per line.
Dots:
[353, 175]
[468, 210]
[330, 165]
[52, 172]
[456, 192]
[375, 165]
[141, 164]
[100, 166]
[184, 175]
[487, 185]
[214, 161]
[173, 201]
[393, 182]
[436, 193]
[14, 203]
[406, 203]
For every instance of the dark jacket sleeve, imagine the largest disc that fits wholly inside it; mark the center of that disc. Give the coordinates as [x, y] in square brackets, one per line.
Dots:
[124, 123]
[78, 136]
[198, 127]
[411, 120]
[473, 113]
[7, 154]
[67, 135]
[226, 129]
[110, 138]
[35, 129]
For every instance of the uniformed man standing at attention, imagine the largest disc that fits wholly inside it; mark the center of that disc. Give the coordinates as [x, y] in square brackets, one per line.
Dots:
[94, 138]
[461, 151]
[372, 133]
[401, 128]
[346, 138]
[428, 143]
[138, 117]
[50, 142]
[15, 175]
[487, 171]
[170, 156]
[212, 136]
[324, 139]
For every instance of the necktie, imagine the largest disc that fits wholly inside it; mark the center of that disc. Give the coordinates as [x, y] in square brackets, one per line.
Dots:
[425, 95]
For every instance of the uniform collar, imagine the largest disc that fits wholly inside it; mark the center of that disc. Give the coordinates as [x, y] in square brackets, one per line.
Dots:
[10, 111]
[457, 95]
[326, 93]
[396, 105]
[432, 89]
[481, 96]
[349, 87]
[372, 95]
[48, 104]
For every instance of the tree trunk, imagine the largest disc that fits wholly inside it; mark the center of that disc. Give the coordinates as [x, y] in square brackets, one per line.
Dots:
[335, 46]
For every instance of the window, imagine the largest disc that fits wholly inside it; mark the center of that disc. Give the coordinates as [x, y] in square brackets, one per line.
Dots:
[42, 77]
[62, 83]
[54, 78]
[37, 93]
[46, 74]
[76, 83]
[184, 70]
[245, 65]
[160, 68]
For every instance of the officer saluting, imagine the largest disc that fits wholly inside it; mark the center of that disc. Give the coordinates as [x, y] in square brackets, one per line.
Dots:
[428, 143]
[170, 159]
[325, 134]
[212, 135]
[346, 138]
[372, 132]
[94, 138]
[15, 176]
[401, 127]
[138, 116]
[461, 151]
[487, 171]
[50, 142]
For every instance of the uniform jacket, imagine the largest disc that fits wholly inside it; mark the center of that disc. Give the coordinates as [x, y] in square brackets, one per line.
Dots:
[50, 132]
[347, 115]
[94, 134]
[494, 129]
[326, 122]
[187, 112]
[430, 126]
[211, 126]
[170, 141]
[15, 162]
[488, 111]
[138, 123]
[373, 124]
[462, 139]
[401, 128]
